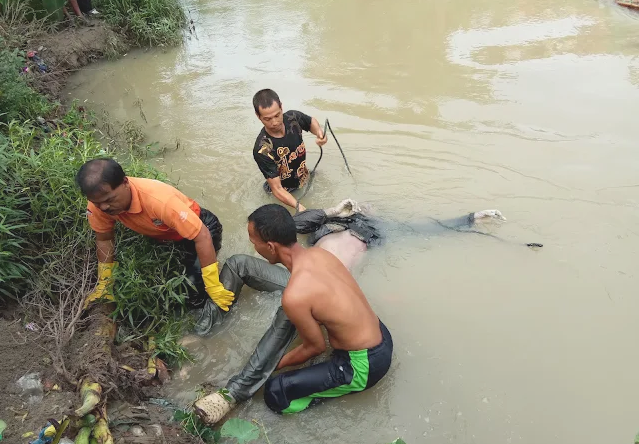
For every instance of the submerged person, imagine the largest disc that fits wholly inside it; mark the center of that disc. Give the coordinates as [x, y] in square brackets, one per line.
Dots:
[346, 232]
[157, 210]
[279, 149]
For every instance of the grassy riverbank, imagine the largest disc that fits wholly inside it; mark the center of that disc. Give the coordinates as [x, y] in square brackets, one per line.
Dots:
[47, 257]
[43, 227]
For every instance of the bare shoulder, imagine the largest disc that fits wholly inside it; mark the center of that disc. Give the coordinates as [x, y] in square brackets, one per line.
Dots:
[298, 289]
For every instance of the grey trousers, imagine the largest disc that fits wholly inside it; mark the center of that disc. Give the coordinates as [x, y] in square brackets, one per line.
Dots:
[240, 270]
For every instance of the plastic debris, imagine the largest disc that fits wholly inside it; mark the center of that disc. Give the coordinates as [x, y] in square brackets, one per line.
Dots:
[46, 435]
[137, 431]
[3, 427]
[33, 55]
[31, 385]
[32, 325]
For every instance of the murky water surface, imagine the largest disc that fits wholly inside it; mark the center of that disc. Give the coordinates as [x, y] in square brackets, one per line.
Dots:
[443, 107]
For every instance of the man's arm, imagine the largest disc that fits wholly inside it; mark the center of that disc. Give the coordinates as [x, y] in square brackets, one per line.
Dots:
[105, 246]
[281, 194]
[316, 129]
[298, 310]
[204, 247]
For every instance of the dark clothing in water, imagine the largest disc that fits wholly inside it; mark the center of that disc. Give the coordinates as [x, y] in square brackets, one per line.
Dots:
[318, 224]
[198, 296]
[284, 157]
[346, 372]
[240, 270]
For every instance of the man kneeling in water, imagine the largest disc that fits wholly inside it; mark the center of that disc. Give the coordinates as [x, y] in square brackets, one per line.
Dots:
[344, 231]
[320, 291]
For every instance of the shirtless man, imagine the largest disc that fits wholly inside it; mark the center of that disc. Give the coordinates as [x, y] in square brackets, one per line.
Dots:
[345, 231]
[320, 291]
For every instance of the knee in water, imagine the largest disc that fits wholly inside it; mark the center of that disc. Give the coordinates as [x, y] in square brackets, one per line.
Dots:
[274, 395]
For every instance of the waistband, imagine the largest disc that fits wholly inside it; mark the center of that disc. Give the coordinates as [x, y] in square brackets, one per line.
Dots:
[367, 352]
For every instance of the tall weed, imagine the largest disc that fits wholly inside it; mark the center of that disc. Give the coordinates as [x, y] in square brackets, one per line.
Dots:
[43, 226]
[17, 99]
[22, 20]
[147, 22]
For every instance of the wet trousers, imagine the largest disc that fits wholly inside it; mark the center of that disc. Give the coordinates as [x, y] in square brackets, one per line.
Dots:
[344, 373]
[240, 270]
[198, 296]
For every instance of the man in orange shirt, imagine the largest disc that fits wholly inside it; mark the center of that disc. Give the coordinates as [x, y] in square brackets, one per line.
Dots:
[157, 210]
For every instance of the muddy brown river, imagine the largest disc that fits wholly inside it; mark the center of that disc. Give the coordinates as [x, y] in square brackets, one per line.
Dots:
[442, 107]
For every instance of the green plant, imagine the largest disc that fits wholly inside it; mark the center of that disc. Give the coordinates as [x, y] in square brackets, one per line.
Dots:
[21, 21]
[243, 431]
[192, 424]
[148, 22]
[43, 230]
[17, 99]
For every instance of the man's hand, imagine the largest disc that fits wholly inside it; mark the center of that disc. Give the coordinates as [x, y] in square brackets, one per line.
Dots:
[104, 289]
[316, 129]
[214, 288]
[321, 138]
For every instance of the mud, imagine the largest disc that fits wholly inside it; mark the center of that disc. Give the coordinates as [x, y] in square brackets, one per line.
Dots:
[89, 353]
[71, 49]
[22, 352]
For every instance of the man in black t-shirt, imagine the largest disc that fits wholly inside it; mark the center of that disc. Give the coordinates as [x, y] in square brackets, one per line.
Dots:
[279, 148]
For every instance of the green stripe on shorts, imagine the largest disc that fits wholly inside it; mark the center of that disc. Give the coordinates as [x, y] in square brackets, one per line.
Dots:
[359, 362]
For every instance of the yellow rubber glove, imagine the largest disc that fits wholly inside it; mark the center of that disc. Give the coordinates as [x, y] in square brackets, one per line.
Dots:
[216, 291]
[104, 288]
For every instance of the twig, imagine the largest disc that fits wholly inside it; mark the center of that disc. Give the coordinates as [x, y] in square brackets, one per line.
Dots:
[60, 308]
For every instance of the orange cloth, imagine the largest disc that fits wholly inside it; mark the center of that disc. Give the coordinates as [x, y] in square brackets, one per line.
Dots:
[157, 210]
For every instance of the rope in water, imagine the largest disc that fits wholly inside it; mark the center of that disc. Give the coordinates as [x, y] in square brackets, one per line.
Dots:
[327, 125]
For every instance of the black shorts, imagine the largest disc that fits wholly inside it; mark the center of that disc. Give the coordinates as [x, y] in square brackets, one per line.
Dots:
[199, 296]
[346, 372]
[267, 188]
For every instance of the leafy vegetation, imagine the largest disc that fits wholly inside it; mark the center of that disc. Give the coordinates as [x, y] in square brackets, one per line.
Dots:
[147, 22]
[17, 99]
[43, 229]
[241, 430]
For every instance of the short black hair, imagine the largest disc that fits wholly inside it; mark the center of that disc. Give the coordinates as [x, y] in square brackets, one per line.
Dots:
[274, 223]
[96, 173]
[264, 98]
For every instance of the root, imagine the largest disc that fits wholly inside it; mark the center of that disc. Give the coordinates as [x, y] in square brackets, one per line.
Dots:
[59, 308]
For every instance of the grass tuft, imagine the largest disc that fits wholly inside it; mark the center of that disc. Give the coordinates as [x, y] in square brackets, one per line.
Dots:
[147, 22]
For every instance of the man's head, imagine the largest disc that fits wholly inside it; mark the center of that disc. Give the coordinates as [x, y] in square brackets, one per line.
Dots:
[268, 108]
[271, 229]
[104, 183]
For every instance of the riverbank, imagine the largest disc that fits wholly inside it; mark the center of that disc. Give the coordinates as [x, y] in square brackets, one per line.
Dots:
[53, 345]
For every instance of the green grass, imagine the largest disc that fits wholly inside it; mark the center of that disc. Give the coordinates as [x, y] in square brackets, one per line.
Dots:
[147, 22]
[17, 99]
[43, 229]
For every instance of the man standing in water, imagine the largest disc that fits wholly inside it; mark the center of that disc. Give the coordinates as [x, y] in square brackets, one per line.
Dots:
[155, 209]
[320, 291]
[279, 149]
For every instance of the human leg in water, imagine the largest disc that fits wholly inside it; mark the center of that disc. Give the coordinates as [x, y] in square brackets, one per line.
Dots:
[240, 270]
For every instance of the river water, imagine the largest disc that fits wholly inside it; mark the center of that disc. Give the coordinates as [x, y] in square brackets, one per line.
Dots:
[442, 107]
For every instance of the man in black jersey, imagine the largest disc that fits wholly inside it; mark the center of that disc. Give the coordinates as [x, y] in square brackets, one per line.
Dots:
[279, 149]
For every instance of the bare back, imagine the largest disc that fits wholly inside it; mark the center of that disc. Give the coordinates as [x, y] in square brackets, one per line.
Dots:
[322, 284]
